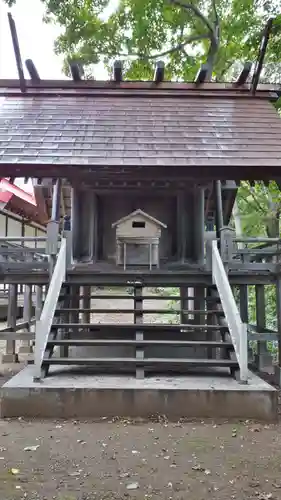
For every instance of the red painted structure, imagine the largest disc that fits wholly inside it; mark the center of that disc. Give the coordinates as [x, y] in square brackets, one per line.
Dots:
[19, 201]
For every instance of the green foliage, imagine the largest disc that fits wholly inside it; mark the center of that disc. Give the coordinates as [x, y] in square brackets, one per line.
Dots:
[140, 31]
[259, 210]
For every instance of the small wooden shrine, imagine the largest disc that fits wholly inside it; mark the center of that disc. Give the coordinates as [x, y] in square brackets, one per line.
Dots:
[137, 239]
[138, 180]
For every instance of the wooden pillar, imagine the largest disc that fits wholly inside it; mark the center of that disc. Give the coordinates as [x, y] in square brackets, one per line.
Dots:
[244, 311]
[278, 311]
[184, 305]
[75, 222]
[26, 346]
[86, 304]
[38, 301]
[264, 359]
[10, 356]
[219, 210]
[181, 227]
[64, 319]
[199, 225]
[199, 304]
[138, 320]
[75, 304]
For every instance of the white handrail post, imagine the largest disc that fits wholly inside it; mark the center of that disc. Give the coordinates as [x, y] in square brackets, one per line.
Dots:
[43, 326]
[243, 353]
[237, 329]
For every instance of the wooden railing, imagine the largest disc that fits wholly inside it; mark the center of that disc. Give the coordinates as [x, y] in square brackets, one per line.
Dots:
[237, 329]
[44, 324]
[16, 253]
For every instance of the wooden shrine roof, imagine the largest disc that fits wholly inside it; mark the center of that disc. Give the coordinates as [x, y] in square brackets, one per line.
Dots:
[176, 125]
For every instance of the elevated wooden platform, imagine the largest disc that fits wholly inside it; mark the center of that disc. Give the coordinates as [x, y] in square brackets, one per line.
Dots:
[88, 275]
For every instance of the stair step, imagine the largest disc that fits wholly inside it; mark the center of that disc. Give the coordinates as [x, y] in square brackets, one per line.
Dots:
[144, 297]
[116, 342]
[141, 362]
[155, 327]
[132, 311]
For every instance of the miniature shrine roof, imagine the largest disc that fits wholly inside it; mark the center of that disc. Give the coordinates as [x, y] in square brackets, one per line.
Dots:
[141, 213]
[138, 124]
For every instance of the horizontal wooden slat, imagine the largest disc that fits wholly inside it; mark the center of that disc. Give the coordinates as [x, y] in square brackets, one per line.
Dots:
[140, 311]
[17, 336]
[143, 297]
[141, 362]
[155, 327]
[183, 343]
[19, 326]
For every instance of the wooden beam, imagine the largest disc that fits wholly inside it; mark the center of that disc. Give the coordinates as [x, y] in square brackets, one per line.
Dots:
[117, 71]
[159, 72]
[202, 74]
[242, 78]
[75, 71]
[17, 53]
[32, 70]
[261, 55]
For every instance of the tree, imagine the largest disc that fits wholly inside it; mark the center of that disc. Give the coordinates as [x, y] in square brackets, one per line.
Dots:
[185, 34]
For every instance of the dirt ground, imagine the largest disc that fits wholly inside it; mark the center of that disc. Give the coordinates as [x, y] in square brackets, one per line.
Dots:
[135, 460]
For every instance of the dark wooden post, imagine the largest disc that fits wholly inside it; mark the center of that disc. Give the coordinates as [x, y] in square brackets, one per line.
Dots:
[278, 310]
[181, 227]
[138, 320]
[11, 356]
[75, 303]
[199, 225]
[86, 304]
[26, 347]
[38, 301]
[219, 211]
[263, 356]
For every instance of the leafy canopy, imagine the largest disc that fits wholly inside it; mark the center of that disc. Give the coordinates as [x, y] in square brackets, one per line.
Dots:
[142, 31]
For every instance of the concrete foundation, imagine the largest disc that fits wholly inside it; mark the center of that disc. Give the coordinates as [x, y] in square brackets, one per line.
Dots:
[67, 393]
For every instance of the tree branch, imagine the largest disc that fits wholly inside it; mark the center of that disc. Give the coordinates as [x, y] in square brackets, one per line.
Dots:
[195, 10]
[180, 46]
[214, 32]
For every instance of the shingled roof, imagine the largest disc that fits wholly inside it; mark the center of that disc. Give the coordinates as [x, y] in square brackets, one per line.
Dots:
[175, 129]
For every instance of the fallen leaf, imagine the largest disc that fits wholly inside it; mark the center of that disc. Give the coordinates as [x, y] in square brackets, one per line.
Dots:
[14, 471]
[124, 474]
[198, 467]
[132, 486]
[31, 448]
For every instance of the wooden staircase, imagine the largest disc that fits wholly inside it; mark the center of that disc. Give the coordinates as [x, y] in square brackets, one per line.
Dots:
[201, 344]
